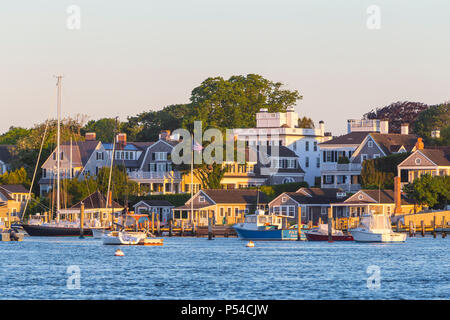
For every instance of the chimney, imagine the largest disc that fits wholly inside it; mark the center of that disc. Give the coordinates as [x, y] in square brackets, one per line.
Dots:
[419, 144]
[164, 135]
[121, 139]
[404, 128]
[322, 127]
[397, 195]
[90, 136]
[384, 126]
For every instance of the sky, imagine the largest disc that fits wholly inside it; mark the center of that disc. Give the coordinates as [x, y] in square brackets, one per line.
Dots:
[133, 56]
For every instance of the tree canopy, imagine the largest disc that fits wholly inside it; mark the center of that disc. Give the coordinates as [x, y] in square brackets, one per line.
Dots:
[432, 191]
[397, 113]
[437, 117]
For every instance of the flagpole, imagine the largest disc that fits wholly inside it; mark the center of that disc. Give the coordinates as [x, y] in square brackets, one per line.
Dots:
[192, 177]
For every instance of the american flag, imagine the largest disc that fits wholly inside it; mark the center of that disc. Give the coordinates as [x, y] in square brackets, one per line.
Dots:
[196, 146]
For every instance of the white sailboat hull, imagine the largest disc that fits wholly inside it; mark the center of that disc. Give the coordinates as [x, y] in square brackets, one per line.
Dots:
[361, 235]
[99, 233]
[121, 238]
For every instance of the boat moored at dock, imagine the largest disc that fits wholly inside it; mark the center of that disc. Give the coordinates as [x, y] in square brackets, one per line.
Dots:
[260, 226]
[320, 233]
[376, 228]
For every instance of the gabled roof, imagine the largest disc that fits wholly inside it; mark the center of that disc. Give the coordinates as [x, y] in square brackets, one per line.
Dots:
[96, 200]
[440, 156]
[352, 138]
[14, 188]
[5, 194]
[392, 142]
[245, 196]
[379, 196]
[315, 195]
[6, 152]
[156, 203]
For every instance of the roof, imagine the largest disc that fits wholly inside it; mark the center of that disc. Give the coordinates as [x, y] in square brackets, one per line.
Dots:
[5, 194]
[157, 203]
[440, 156]
[196, 206]
[392, 142]
[316, 195]
[352, 138]
[14, 188]
[5, 152]
[247, 196]
[95, 200]
[380, 196]
[81, 150]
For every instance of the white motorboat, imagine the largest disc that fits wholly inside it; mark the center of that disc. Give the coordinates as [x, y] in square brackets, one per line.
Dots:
[376, 228]
[123, 238]
[98, 233]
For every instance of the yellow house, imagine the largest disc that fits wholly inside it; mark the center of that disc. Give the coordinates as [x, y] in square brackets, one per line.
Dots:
[223, 206]
[10, 208]
[19, 195]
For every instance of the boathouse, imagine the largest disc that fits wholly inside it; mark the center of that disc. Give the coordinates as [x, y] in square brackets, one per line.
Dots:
[223, 206]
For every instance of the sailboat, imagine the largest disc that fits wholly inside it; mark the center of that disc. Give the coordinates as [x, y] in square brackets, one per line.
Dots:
[55, 228]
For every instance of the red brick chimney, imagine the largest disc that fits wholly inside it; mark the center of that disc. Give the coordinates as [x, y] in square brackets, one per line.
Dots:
[90, 136]
[121, 140]
[419, 144]
[397, 195]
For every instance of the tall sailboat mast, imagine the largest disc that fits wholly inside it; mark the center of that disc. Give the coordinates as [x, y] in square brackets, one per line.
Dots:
[58, 152]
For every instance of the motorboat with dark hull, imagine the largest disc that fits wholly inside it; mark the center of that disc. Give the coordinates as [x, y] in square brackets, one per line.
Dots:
[36, 230]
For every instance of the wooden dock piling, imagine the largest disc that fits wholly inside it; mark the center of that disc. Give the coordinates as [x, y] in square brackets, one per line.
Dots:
[422, 227]
[330, 224]
[434, 227]
[443, 227]
[210, 233]
[170, 227]
[299, 223]
[158, 224]
[153, 222]
[82, 221]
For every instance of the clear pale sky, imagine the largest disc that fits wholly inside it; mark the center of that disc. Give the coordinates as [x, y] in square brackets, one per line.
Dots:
[133, 56]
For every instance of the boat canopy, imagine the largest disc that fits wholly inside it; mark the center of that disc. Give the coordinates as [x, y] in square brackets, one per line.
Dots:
[375, 221]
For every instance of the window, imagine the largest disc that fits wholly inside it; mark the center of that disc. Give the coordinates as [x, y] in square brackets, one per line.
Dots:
[376, 155]
[229, 212]
[307, 162]
[364, 157]
[283, 199]
[221, 212]
[303, 212]
[236, 212]
[201, 199]
[291, 212]
[418, 161]
[44, 173]
[318, 162]
[315, 145]
[306, 145]
[370, 144]
[288, 180]
[328, 179]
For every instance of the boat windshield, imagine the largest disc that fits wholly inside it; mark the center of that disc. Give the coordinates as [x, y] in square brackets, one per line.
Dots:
[378, 222]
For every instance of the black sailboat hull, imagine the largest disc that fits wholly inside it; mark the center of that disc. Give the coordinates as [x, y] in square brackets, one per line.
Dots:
[53, 231]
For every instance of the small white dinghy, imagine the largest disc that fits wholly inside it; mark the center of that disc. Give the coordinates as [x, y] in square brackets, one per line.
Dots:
[98, 233]
[376, 228]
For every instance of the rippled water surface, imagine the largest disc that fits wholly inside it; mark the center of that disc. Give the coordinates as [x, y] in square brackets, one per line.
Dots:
[195, 268]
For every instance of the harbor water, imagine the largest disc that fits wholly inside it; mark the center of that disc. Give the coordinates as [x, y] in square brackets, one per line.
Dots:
[195, 268]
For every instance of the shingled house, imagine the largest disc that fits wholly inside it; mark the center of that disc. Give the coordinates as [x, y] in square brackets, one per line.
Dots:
[314, 204]
[342, 157]
[435, 162]
[226, 206]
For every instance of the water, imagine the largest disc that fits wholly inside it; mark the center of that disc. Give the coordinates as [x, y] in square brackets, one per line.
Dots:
[195, 268]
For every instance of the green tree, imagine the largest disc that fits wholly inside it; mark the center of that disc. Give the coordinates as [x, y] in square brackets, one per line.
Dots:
[210, 175]
[432, 191]
[437, 117]
[18, 176]
[13, 135]
[306, 123]
[233, 103]
[380, 172]
[104, 129]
